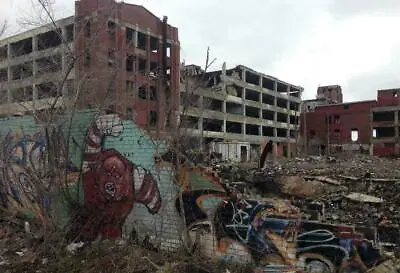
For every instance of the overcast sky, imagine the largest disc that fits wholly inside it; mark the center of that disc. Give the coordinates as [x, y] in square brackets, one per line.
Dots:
[354, 43]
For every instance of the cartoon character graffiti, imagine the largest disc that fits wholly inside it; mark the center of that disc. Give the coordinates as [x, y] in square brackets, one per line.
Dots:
[111, 183]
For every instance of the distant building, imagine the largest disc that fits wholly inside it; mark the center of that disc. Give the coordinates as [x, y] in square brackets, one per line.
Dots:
[241, 105]
[126, 54]
[331, 93]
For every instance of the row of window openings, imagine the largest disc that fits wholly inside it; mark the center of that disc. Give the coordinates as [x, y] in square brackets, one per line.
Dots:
[336, 134]
[132, 36]
[26, 94]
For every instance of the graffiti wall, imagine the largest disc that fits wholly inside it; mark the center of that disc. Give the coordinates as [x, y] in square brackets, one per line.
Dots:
[111, 163]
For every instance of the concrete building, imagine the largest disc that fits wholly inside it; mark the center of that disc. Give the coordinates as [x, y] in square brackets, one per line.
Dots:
[385, 123]
[127, 60]
[332, 93]
[241, 105]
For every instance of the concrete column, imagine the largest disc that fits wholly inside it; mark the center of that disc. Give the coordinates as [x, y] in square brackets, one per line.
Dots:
[224, 126]
[396, 124]
[136, 35]
[260, 81]
[275, 86]
[244, 75]
[224, 106]
[260, 130]
[244, 129]
[200, 124]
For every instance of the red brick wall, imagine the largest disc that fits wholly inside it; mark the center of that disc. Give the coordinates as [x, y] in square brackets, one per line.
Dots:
[356, 116]
[101, 74]
[388, 97]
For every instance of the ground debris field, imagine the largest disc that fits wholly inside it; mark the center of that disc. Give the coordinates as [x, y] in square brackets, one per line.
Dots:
[354, 189]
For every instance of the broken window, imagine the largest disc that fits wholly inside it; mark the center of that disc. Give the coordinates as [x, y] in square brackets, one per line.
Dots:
[234, 108]
[142, 65]
[252, 112]
[267, 99]
[130, 36]
[281, 117]
[154, 44]
[22, 94]
[252, 129]
[49, 39]
[336, 119]
[142, 41]
[153, 118]
[266, 114]
[281, 132]
[130, 62]
[281, 103]
[252, 95]
[252, 78]
[154, 67]
[189, 122]
[282, 88]
[268, 83]
[88, 58]
[267, 131]
[49, 64]
[69, 33]
[212, 125]
[374, 133]
[346, 107]
[111, 26]
[47, 90]
[168, 50]
[3, 75]
[21, 47]
[383, 116]
[354, 135]
[153, 93]
[22, 71]
[233, 127]
[142, 92]
[87, 28]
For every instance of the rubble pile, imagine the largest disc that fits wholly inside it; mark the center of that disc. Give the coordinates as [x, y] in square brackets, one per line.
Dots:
[357, 190]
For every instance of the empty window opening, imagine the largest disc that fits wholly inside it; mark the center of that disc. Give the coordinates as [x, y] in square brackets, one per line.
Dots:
[233, 127]
[189, 122]
[153, 93]
[154, 67]
[142, 41]
[281, 117]
[328, 119]
[154, 44]
[266, 114]
[212, 104]
[234, 90]
[190, 100]
[22, 71]
[142, 92]
[47, 90]
[354, 135]
[292, 133]
[49, 64]
[142, 65]
[153, 118]
[212, 125]
[312, 133]
[3, 75]
[111, 28]
[252, 112]
[267, 131]
[88, 58]
[49, 39]
[267, 99]
[374, 133]
[87, 28]
[252, 95]
[294, 92]
[281, 103]
[130, 89]
[282, 88]
[294, 106]
[268, 83]
[168, 50]
[383, 116]
[234, 108]
[130, 36]
[129, 113]
[293, 119]
[3, 96]
[281, 132]
[22, 94]
[385, 132]
[346, 107]
[3, 53]
[252, 78]
[395, 94]
[252, 129]
[130, 61]
[70, 32]
[336, 119]
[21, 47]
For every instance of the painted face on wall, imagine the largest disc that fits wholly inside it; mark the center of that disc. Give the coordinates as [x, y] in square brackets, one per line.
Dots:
[114, 178]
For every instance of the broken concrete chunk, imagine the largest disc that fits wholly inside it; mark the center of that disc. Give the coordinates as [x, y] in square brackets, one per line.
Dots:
[364, 198]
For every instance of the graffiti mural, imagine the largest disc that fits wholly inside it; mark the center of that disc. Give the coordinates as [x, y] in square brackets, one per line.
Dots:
[111, 183]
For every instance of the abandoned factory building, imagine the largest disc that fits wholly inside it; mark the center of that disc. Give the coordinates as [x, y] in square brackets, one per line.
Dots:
[241, 105]
[108, 52]
[330, 126]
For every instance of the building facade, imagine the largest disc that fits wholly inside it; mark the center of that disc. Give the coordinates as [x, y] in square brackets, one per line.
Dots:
[241, 105]
[113, 54]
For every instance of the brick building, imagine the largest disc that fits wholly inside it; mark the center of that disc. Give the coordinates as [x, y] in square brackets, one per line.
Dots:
[385, 123]
[128, 58]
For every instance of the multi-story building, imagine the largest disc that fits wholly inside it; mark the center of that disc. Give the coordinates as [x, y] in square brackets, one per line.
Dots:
[111, 53]
[331, 93]
[385, 123]
[241, 105]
